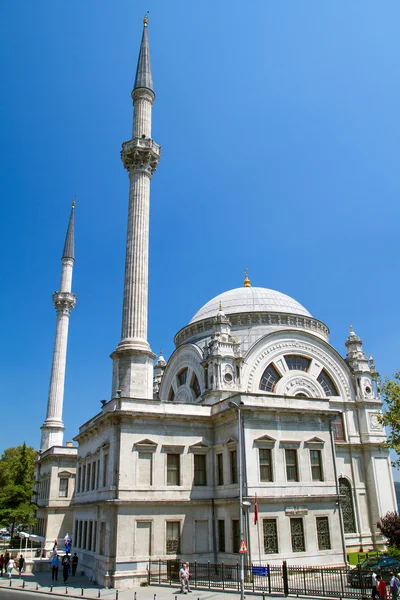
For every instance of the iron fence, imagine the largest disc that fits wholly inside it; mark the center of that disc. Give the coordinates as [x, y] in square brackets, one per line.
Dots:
[332, 582]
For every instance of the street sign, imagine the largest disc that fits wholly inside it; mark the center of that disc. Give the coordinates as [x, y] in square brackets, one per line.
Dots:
[260, 571]
[243, 547]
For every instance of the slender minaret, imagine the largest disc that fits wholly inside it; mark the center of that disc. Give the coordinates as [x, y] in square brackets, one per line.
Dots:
[64, 302]
[133, 358]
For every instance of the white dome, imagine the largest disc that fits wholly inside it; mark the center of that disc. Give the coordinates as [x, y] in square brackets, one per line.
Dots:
[248, 300]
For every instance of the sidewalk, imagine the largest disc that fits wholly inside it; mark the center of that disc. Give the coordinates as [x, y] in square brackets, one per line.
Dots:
[41, 583]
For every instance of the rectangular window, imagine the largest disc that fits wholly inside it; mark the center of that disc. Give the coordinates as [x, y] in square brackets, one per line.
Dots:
[235, 535]
[79, 480]
[63, 488]
[297, 534]
[201, 541]
[80, 535]
[143, 538]
[265, 455]
[324, 538]
[221, 535]
[76, 529]
[94, 536]
[102, 537]
[89, 542]
[145, 462]
[200, 475]
[338, 428]
[234, 467]
[270, 536]
[105, 469]
[83, 487]
[220, 469]
[173, 470]
[291, 465]
[88, 472]
[93, 475]
[98, 474]
[173, 545]
[84, 537]
[316, 465]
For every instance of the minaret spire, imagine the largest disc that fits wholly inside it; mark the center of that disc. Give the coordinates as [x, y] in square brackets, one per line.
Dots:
[133, 358]
[64, 302]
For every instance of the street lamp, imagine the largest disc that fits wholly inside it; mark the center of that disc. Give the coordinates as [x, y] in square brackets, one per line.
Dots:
[237, 405]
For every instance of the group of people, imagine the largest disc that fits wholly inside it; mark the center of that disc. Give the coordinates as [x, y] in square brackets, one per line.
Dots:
[8, 563]
[379, 586]
[69, 564]
[184, 576]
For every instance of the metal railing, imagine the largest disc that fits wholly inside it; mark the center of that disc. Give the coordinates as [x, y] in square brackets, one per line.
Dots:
[332, 582]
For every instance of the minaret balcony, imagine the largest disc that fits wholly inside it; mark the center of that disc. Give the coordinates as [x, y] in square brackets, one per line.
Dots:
[64, 301]
[141, 154]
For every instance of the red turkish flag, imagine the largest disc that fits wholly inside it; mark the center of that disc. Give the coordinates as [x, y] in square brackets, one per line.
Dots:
[255, 511]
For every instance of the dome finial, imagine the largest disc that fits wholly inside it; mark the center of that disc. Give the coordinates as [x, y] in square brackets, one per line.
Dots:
[145, 19]
[246, 282]
[351, 327]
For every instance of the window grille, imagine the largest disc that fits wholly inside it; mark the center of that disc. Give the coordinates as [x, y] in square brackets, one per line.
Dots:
[182, 376]
[297, 363]
[297, 534]
[235, 535]
[173, 542]
[324, 538]
[346, 501]
[327, 384]
[269, 379]
[270, 536]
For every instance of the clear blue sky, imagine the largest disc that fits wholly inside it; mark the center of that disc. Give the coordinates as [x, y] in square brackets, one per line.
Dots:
[279, 122]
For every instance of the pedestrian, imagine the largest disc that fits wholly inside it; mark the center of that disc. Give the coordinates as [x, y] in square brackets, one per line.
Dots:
[74, 563]
[10, 566]
[21, 563]
[2, 567]
[184, 578]
[6, 559]
[55, 563]
[381, 588]
[66, 566]
[374, 589]
[394, 585]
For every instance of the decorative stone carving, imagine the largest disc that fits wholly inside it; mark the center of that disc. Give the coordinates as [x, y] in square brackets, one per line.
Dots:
[374, 423]
[141, 155]
[64, 302]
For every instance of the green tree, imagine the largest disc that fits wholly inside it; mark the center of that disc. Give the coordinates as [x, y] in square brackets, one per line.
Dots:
[17, 475]
[389, 525]
[390, 390]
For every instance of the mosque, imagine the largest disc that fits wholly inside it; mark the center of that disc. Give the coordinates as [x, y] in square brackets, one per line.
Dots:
[254, 404]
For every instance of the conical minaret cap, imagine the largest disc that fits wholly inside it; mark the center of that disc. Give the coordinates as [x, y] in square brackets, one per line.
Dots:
[143, 77]
[69, 246]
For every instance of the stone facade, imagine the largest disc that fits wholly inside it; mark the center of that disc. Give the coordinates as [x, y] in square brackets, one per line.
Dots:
[157, 468]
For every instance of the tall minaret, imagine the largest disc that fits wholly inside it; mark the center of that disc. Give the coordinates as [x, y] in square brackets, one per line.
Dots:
[64, 302]
[133, 358]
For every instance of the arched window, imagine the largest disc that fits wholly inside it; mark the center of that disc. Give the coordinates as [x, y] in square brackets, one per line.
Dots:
[327, 384]
[346, 501]
[194, 384]
[297, 363]
[269, 379]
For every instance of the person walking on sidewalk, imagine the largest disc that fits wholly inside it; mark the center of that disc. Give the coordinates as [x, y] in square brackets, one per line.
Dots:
[65, 566]
[54, 567]
[21, 563]
[10, 566]
[74, 563]
[184, 578]
[381, 588]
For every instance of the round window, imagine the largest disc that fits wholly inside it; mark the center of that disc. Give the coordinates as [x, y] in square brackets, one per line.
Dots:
[228, 377]
[368, 390]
